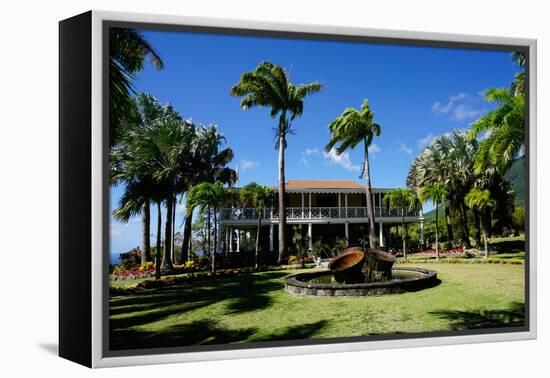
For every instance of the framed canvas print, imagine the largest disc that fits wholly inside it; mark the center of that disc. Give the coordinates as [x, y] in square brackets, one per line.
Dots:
[234, 189]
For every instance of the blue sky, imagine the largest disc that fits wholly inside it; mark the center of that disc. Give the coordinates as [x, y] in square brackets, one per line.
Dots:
[416, 93]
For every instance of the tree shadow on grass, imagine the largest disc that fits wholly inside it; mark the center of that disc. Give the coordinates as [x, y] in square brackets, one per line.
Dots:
[513, 316]
[508, 246]
[303, 331]
[200, 332]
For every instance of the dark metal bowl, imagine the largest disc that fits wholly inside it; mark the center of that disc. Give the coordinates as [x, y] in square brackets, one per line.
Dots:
[346, 268]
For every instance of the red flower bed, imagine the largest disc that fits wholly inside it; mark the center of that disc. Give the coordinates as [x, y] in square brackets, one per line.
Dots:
[455, 251]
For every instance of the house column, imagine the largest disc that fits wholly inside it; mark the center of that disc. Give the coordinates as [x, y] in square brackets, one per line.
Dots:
[238, 240]
[381, 234]
[310, 234]
[309, 204]
[339, 206]
[230, 230]
[271, 226]
[218, 238]
[346, 227]
[346, 205]
[303, 205]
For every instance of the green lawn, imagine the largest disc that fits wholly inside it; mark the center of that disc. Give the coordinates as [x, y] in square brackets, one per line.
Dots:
[255, 307]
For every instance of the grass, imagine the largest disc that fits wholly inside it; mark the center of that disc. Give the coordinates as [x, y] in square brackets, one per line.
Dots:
[255, 307]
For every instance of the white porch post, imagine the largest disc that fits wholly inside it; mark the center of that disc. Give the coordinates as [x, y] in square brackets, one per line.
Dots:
[238, 240]
[230, 239]
[381, 234]
[303, 204]
[339, 206]
[271, 226]
[310, 234]
[346, 204]
[219, 238]
[309, 204]
[347, 230]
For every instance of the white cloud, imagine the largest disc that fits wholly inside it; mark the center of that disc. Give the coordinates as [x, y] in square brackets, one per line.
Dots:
[404, 148]
[437, 107]
[423, 142]
[374, 149]
[248, 164]
[459, 107]
[343, 160]
[462, 112]
[307, 154]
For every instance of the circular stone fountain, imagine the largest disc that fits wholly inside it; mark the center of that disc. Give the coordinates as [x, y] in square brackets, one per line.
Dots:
[356, 273]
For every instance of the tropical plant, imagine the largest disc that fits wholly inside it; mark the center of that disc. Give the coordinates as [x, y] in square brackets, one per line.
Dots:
[482, 201]
[211, 196]
[259, 197]
[347, 131]
[436, 193]
[504, 128]
[268, 85]
[207, 162]
[405, 200]
[128, 52]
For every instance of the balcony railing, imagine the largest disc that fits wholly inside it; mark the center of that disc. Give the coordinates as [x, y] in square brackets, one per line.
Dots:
[248, 213]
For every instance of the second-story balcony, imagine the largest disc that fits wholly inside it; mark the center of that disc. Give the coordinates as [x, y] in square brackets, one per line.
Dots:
[305, 213]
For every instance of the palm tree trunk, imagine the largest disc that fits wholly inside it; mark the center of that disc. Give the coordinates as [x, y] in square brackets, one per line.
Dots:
[258, 239]
[477, 221]
[146, 232]
[173, 244]
[215, 241]
[485, 242]
[159, 246]
[403, 233]
[464, 225]
[373, 240]
[282, 209]
[167, 257]
[437, 231]
[208, 226]
[449, 222]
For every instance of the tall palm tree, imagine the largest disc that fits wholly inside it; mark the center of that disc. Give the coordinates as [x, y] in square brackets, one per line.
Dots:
[125, 168]
[436, 193]
[268, 85]
[405, 200]
[347, 131]
[207, 162]
[128, 53]
[211, 196]
[260, 197]
[482, 201]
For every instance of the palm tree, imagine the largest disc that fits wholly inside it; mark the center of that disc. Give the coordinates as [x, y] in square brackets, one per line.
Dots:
[518, 86]
[504, 128]
[207, 162]
[482, 201]
[125, 168]
[209, 196]
[260, 197]
[128, 52]
[436, 193]
[405, 200]
[268, 85]
[347, 131]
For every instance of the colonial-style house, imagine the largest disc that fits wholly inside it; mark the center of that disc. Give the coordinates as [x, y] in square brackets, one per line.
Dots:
[327, 209]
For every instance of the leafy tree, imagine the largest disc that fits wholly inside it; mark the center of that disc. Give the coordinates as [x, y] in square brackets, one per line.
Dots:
[347, 131]
[436, 193]
[406, 200]
[269, 86]
[259, 197]
[481, 200]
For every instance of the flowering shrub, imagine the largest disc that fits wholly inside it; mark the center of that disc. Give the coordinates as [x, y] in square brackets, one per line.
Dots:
[452, 252]
[147, 269]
